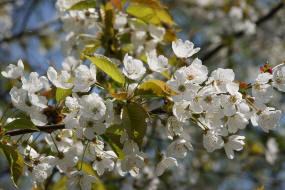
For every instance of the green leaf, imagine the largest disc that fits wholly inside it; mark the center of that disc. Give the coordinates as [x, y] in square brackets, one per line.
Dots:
[144, 13]
[155, 87]
[260, 188]
[83, 5]
[164, 16]
[112, 136]
[21, 123]
[151, 3]
[138, 23]
[61, 93]
[98, 186]
[134, 121]
[87, 168]
[60, 184]
[106, 65]
[15, 160]
[149, 14]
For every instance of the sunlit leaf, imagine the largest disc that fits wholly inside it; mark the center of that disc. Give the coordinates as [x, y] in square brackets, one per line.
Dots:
[257, 148]
[151, 3]
[83, 5]
[21, 123]
[60, 184]
[117, 3]
[164, 16]
[165, 74]
[49, 94]
[144, 13]
[112, 136]
[89, 170]
[119, 96]
[149, 14]
[170, 35]
[15, 160]
[260, 188]
[134, 121]
[106, 65]
[61, 93]
[155, 87]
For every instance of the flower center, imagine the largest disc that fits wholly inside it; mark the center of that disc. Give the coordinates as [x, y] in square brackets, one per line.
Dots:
[99, 158]
[208, 99]
[257, 86]
[219, 82]
[190, 77]
[58, 137]
[28, 103]
[181, 88]
[90, 124]
[279, 80]
[95, 110]
[233, 98]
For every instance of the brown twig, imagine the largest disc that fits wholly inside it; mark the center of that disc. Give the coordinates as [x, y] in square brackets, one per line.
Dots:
[47, 129]
[27, 33]
[260, 21]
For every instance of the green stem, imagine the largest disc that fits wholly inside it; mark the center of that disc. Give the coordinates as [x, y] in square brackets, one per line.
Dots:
[198, 121]
[85, 148]
[138, 84]
[55, 144]
[105, 152]
[36, 138]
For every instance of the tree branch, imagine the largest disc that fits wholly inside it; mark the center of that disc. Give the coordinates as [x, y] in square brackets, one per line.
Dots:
[28, 14]
[260, 21]
[26, 33]
[3, 3]
[47, 129]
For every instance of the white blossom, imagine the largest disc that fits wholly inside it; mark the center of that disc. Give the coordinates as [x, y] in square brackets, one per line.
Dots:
[234, 142]
[279, 77]
[60, 80]
[40, 169]
[166, 162]
[236, 122]
[92, 106]
[37, 117]
[179, 148]
[271, 152]
[156, 63]
[212, 141]
[133, 68]
[120, 21]
[156, 32]
[223, 81]
[104, 161]
[196, 72]
[69, 157]
[184, 49]
[13, 71]
[269, 119]
[63, 140]
[34, 83]
[185, 90]
[84, 77]
[70, 64]
[174, 127]
[80, 178]
[261, 90]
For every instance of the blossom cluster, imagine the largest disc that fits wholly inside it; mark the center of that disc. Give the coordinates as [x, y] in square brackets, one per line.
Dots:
[217, 103]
